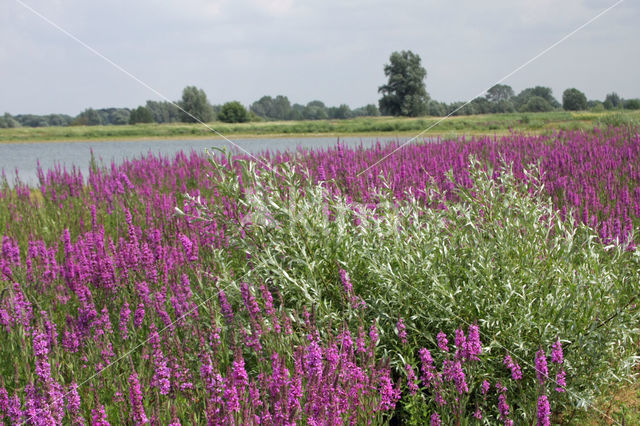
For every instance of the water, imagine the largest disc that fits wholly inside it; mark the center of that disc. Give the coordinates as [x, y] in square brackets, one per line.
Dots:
[23, 157]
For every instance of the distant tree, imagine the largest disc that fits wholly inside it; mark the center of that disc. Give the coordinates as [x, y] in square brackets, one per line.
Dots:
[194, 102]
[612, 101]
[59, 119]
[536, 104]
[88, 117]
[274, 109]
[632, 104]
[315, 110]
[574, 100]
[538, 91]
[297, 111]
[595, 106]
[369, 110]
[119, 116]
[499, 92]
[481, 106]
[233, 112]
[164, 112]
[7, 121]
[340, 112]
[405, 93]
[436, 109]
[141, 115]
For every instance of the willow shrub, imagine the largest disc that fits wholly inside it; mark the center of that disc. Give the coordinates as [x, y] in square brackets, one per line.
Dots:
[500, 256]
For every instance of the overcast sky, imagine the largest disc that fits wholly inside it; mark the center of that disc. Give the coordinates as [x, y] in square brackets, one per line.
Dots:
[330, 50]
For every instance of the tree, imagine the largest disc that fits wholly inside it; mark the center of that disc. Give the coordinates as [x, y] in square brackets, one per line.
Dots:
[405, 93]
[275, 109]
[574, 100]
[233, 112]
[632, 104]
[536, 104]
[195, 105]
[538, 91]
[315, 110]
[164, 112]
[88, 117]
[499, 92]
[612, 101]
[7, 121]
[141, 115]
[340, 112]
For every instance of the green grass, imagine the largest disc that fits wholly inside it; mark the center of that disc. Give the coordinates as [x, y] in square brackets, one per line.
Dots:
[453, 126]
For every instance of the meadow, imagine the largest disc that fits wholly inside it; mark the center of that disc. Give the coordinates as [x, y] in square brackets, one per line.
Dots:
[476, 280]
[502, 124]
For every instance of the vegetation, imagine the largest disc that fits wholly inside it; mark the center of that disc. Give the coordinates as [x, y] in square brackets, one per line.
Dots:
[574, 100]
[233, 112]
[405, 93]
[326, 285]
[195, 106]
[476, 124]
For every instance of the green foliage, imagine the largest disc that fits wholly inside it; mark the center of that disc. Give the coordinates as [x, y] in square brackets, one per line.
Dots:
[574, 100]
[618, 120]
[497, 257]
[164, 112]
[536, 104]
[405, 93]
[195, 106]
[612, 101]
[141, 115]
[274, 109]
[525, 96]
[499, 93]
[8, 122]
[633, 104]
[233, 112]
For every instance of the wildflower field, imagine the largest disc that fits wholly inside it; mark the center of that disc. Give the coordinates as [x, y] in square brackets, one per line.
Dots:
[487, 280]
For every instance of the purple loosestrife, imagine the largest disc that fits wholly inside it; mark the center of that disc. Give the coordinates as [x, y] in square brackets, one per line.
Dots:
[516, 371]
[135, 397]
[542, 372]
[411, 379]
[435, 420]
[138, 316]
[544, 411]
[402, 331]
[557, 356]
[452, 372]
[474, 345]
[443, 343]
[73, 404]
[561, 381]
[225, 307]
[99, 417]
[461, 345]
[125, 314]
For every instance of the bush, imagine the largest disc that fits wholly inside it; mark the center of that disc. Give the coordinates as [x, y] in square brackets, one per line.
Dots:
[233, 112]
[495, 257]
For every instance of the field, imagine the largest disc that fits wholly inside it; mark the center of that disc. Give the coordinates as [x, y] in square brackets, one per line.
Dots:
[477, 280]
[501, 124]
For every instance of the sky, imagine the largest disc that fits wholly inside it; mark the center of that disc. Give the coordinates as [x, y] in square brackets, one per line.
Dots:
[329, 50]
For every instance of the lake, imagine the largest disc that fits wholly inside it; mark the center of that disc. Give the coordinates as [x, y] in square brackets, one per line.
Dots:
[23, 157]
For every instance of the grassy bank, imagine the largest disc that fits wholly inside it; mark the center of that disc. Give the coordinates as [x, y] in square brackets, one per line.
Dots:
[453, 126]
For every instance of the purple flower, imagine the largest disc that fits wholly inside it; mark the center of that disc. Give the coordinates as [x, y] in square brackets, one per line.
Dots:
[435, 420]
[516, 371]
[452, 371]
[461, 344]
[503, 407]
[561, 381]
[240, 376]
[225, 307]
[138, 316]
[99, 417]
[373, 334]
[40, 344]
[485, 387]
[428, 370]
[249, 301]
[557, 356]
[346, 282]
[474, 345]
[411, 379]
[542, 371]
[478, 414]
[442, 341]
[544, 411]
[135, 396]
[402, 333]
[125, 313]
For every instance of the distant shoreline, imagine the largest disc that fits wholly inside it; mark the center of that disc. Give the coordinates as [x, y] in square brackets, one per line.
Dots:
[498, 124]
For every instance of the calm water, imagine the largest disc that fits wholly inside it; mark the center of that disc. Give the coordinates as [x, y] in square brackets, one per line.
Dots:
[23, 157]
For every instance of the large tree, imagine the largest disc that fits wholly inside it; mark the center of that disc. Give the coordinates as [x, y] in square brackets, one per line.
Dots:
[574, 100]
[195, 105]
[500, 92]
[405, 93]
[526, 95]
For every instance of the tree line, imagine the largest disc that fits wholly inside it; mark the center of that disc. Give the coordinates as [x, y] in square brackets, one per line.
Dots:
[404, 94]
